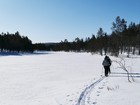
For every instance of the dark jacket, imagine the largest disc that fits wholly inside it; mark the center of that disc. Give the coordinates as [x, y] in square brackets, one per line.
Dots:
[106, 61]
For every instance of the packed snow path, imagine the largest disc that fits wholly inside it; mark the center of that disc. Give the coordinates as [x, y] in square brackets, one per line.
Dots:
[86, 91]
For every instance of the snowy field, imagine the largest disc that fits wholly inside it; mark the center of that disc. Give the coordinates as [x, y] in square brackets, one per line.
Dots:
[60, 78]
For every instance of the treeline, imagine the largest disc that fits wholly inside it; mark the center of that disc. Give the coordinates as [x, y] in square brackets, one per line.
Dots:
[15, 43]
[122, 39]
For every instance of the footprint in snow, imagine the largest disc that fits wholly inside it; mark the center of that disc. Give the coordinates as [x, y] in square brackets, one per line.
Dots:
[98, 95]
[68, 95]
[98, 92]
[70, 100]
[88, 98]
[101, 87]
[88, 102]
[94, 103]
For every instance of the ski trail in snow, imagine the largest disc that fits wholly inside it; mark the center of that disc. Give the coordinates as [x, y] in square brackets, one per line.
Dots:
[86, 91]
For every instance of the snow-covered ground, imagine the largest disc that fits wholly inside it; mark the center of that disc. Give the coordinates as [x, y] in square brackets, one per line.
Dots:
[60, 78]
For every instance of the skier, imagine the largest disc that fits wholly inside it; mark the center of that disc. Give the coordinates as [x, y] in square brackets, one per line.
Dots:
[107, 63]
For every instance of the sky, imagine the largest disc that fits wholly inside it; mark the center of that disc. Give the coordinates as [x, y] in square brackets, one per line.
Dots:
[56, 20]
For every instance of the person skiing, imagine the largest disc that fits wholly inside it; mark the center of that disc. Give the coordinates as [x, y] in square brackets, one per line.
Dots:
[107, 63]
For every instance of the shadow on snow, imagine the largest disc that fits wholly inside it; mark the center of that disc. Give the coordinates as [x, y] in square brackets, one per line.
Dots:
[116, 74]
[22, 53]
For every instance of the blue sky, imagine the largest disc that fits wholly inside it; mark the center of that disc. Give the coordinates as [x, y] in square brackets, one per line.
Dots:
[56, 20]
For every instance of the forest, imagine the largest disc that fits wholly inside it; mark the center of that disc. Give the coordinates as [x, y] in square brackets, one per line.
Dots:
[123, 39]
[15, 43]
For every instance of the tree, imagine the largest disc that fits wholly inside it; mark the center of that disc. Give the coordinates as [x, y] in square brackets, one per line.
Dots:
[100, 35]
[122, 65]
[114, 44]
[91, 44]
[105, 43]
[138, 38]
[118, 27]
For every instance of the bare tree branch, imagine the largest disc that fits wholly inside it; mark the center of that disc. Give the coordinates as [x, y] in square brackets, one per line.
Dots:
[122, 65]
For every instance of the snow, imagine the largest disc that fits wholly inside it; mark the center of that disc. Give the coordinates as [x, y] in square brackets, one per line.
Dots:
[62, 78]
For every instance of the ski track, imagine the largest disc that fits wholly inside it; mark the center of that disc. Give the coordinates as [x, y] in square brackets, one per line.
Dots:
[86, 91]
